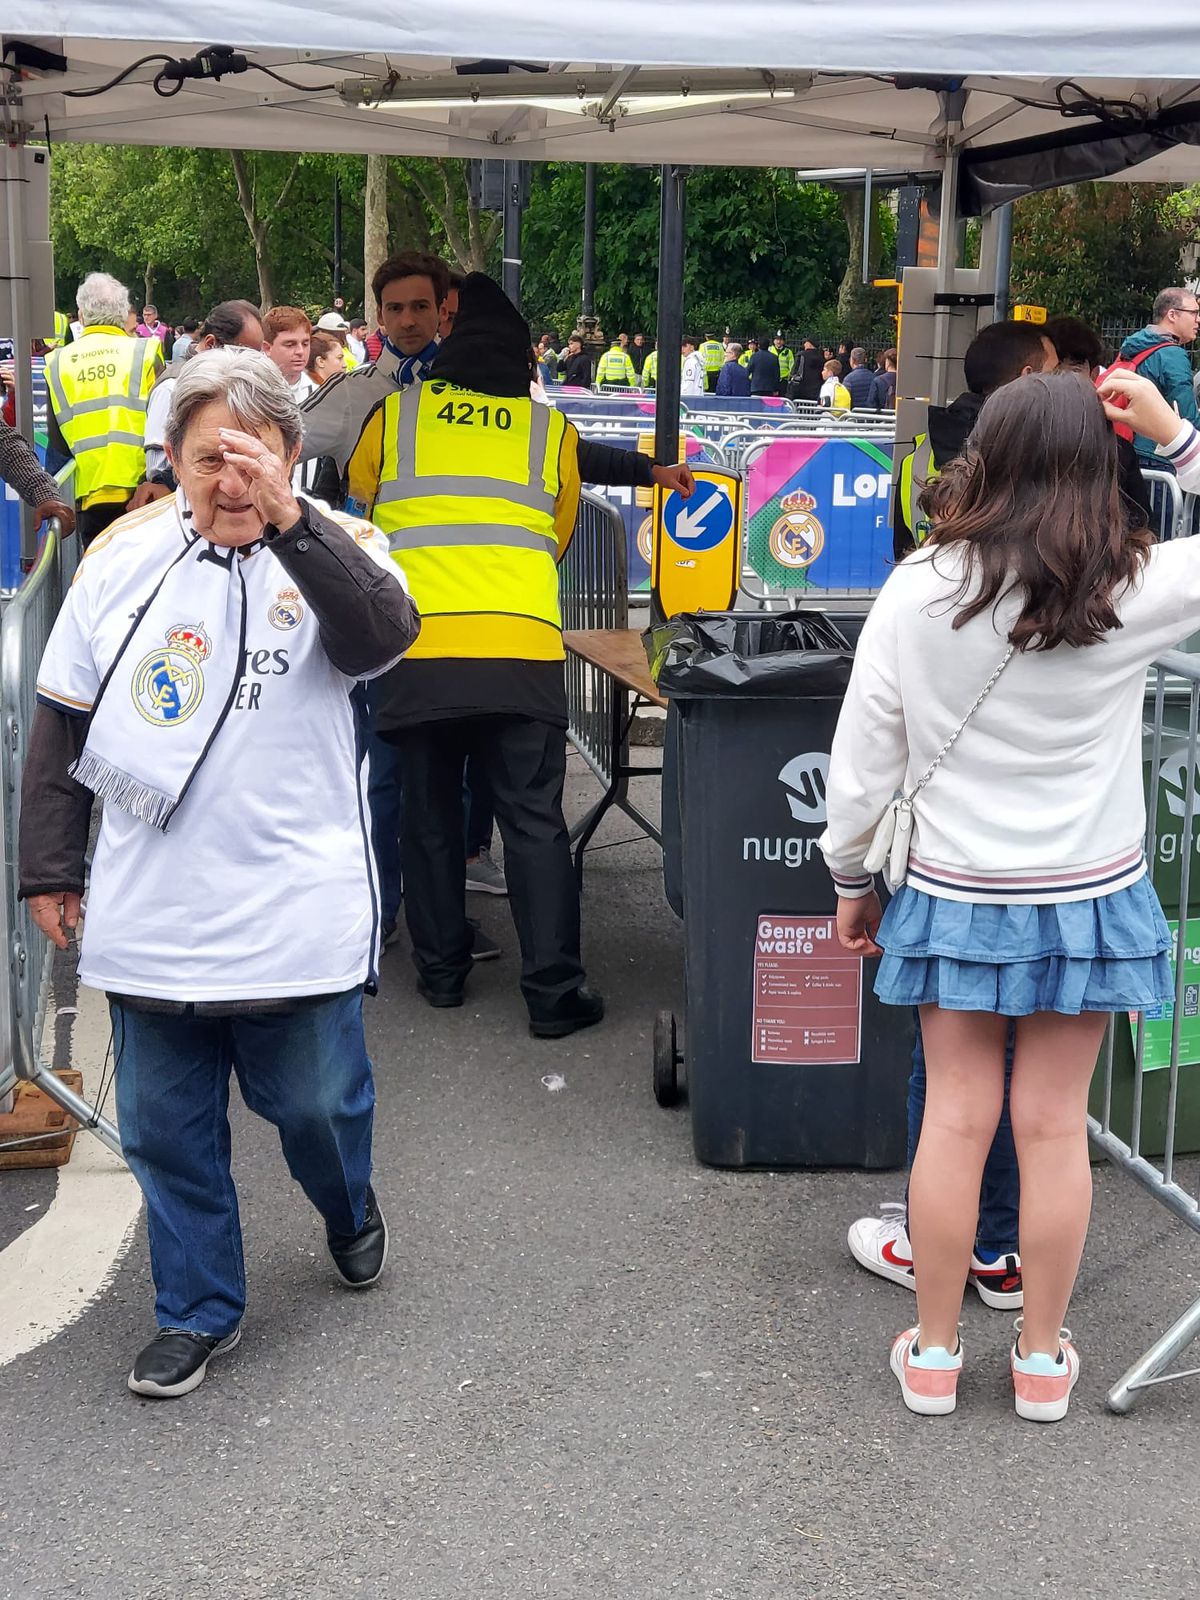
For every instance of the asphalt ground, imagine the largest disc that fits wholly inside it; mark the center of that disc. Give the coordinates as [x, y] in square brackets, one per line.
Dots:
[594, 1369]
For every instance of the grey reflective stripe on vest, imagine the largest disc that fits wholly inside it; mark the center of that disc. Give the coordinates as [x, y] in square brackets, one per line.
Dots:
[137, 369]
[476, 533]
[101, 439]
[408, 486]
[102, 402]
[450, 484]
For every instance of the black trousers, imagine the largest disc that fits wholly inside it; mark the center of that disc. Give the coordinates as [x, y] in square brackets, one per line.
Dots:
[96, 518]
[525, 762]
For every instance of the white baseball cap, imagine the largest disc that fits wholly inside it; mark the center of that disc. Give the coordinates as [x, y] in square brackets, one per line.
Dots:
[333, 322]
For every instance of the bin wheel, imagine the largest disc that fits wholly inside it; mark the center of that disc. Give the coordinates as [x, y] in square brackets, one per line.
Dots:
[666, 1059]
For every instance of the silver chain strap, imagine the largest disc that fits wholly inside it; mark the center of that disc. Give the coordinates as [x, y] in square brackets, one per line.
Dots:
[953, 739]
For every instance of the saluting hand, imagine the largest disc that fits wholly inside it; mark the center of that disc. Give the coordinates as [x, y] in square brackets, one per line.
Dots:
[268, 478]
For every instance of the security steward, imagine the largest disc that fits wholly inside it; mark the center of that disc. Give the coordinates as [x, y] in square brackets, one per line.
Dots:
[99, 387]
[615, 368]
[650, 370]
[477, 487]
[712, 354]
[786, 357]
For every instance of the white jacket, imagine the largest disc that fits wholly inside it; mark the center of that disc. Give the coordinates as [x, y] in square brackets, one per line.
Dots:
[1041, 800]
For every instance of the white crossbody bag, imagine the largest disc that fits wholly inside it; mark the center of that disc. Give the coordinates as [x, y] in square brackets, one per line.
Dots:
[892, 839]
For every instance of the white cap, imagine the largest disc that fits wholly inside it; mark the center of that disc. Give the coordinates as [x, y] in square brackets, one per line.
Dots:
[333, 322]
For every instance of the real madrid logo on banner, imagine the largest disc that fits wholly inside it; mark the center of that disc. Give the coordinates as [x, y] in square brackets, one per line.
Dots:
[797, 538]
[287, 612]
[168, 684]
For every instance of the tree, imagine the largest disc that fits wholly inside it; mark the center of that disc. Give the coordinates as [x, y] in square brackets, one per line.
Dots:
[253, 178]
[1097, 250]
[470, 233]
[375, 218]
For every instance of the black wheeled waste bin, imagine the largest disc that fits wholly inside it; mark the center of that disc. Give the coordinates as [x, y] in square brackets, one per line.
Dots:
[790, 1061]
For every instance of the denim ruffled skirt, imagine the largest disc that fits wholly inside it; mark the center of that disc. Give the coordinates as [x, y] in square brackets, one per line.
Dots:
[1107, 954]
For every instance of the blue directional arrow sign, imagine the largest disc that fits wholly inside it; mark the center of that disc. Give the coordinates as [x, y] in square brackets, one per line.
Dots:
[702, 522]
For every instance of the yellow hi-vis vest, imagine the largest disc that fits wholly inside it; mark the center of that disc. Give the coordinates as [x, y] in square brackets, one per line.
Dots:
[616, 367]
[474, 492]
[62, 331]
[650, 370]
[98, 391]
[712, 353]
[787, 360]
[916, 470]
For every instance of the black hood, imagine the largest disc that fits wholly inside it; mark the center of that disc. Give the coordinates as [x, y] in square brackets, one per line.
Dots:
[490, 348]
[950, 425]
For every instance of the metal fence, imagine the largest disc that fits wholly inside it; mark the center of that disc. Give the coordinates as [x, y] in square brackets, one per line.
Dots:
[593, 590]
[1145, 1112]
[25, 625]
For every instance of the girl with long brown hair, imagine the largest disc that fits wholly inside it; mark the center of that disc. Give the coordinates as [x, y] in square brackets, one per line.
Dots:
[1026, 894]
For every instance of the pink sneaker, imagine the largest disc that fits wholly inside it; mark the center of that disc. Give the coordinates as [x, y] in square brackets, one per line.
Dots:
[929, 1380]
[1042, 1383]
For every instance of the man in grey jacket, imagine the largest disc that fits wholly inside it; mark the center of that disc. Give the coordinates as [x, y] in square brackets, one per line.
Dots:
[22, 471]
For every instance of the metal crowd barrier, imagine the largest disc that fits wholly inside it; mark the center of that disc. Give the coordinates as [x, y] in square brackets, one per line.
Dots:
[25, 624]
[1168, 504]
[593, 591]
[1144, 1106]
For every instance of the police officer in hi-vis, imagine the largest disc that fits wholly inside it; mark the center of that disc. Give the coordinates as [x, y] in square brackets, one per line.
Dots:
[476, 486]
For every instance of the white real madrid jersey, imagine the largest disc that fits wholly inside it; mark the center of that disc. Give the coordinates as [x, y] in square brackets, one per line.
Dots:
[263, 885]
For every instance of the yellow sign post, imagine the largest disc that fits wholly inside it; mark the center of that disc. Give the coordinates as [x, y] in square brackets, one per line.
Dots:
[1029, 313]
[696, 556]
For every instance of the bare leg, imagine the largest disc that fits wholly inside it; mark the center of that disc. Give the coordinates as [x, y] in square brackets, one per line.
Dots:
[1052, 1068]
[964, 1063]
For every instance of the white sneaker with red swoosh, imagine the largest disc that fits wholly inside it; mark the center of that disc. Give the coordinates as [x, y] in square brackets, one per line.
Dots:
[881, 1244]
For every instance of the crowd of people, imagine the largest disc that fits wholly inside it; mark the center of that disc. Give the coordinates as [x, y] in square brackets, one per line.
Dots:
[727, 367]
[315, 643]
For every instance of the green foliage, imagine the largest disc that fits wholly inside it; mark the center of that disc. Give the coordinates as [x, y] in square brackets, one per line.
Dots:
[1098, 250]
[762, 249]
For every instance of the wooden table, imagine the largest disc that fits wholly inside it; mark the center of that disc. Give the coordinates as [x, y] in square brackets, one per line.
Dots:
[618, 653]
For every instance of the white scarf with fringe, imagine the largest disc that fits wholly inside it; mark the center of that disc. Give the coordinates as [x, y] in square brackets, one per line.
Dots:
[170, 687]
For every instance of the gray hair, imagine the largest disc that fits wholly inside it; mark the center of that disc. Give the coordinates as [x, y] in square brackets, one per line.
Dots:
[102, 299]
[735, 350]
[247, 381]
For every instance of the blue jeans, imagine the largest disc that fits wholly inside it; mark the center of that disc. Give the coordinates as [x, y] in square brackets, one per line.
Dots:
[1000, 1192]
[307, 1072]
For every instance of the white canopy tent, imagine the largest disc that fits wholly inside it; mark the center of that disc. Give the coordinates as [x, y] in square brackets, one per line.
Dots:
[1017, 96]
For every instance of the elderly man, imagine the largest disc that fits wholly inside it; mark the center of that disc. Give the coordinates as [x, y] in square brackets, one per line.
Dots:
[230, 322]
[199, 679]
[99, 387]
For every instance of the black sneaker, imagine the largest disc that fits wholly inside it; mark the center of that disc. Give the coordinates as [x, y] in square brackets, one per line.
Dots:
[175, 1361]
[582, 1010]
[483, 946]
[359, 1259]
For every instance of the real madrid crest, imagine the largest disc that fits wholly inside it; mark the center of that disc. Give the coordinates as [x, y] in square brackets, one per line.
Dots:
[797, 538]
[287, 612]
[168, 684]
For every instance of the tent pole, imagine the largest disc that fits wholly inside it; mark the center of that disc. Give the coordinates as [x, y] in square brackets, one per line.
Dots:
[16, 273]
[953, 106]
[337, 237]
[516, 177]
[1004, 225]
[589, 239]
[671, 238]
